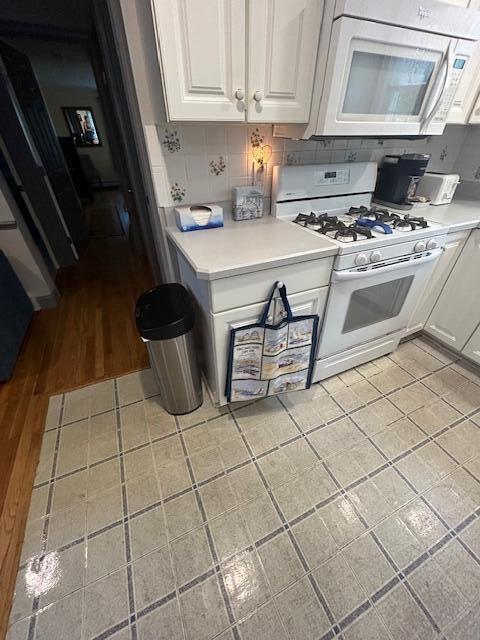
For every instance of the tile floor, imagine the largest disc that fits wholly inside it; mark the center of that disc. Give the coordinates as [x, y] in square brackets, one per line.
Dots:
[351, 510]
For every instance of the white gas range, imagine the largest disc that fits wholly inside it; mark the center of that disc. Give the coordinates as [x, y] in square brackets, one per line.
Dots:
[384, 261]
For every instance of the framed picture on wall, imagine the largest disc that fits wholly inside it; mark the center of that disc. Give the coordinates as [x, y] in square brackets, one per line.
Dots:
[82, 126]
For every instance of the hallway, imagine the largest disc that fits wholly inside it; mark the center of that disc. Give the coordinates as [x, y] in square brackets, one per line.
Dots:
[90, 336]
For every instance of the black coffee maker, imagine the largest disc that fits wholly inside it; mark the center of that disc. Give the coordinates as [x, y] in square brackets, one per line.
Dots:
[398, 179]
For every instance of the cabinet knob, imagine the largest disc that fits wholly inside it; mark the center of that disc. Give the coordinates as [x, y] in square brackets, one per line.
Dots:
[258, 96]
[239, 94]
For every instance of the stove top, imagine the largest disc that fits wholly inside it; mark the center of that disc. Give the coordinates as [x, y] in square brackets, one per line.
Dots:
[361, 223]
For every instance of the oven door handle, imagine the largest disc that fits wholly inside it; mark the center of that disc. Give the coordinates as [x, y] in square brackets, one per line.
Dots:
[342, 276]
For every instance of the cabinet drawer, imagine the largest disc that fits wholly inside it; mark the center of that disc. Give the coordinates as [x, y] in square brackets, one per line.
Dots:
[250, 288]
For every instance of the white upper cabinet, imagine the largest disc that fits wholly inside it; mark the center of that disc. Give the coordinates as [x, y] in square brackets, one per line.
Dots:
[202, 57]
[457, 311]
[282, 51]
[204, 46]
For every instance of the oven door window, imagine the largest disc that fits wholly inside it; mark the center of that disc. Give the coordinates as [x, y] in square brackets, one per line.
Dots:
[377, 303]
[389, 84]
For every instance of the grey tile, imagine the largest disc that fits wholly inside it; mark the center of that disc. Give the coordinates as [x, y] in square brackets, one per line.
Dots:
[367, 456]
[142, 491]
[365, 391]
[134, 435]
[191, 556]
[334, 437]
[138, 462]
[133, 415]
[164, 623]
[442, 382]
[66, 526]
[233, 452]
[422, 522]
[368, 563]
[230, 533]
[462, 442]
[368, 627]
[19, 630]
[218, 496]
[206, 464]
[434, 349]
[182, 515]
[246, 483]
[334, 383]
[280, 562]
[73, 447]
[106, 603]
[437, 592]
[199, 438]
[455, 497]
[147, 532]
[103, 476]
[261, 439]
[38, 503]
[347, 399]
[264, 623]
[391, 379]
[403, 617]
[64, 616]
[260, 516]
[369, 502]
[314, 540]
[466, 628]
[104, 508]
[44, 468]
[205, 412]
[66, 567]
[413, 398]
[28, 585]
[102, 447]
[173, 478]
[300, 455]
[52, 418]
[393, 488]
[33, 539]
[317, 483]
[102, 396]
[435, 416]
[268, 413]
[465, 398]
[292, 499]
[350, 377]
[435, 458]
[303, 616]
[153, 577]
[471, 535]
[417, 471]
[168, 451]
[102, 425]
[339, 586]
[461, 569]
[341, 521]
[129, 388]
[312, 407]
[243, 575]
[376, 417]
[105, 554]
[276, 468]
[345, 468]
[203, 610]
[398, 540]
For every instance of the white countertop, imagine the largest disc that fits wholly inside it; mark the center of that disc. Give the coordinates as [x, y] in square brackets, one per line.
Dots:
[249, 245]
[458, 215]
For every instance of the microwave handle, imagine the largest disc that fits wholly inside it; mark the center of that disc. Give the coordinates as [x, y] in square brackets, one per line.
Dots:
[342, 276]
[446, 65]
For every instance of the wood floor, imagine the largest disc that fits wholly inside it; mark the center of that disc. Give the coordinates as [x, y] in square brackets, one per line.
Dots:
[90, 336]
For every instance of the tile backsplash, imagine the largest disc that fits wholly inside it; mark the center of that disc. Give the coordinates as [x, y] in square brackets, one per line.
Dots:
[195, 163]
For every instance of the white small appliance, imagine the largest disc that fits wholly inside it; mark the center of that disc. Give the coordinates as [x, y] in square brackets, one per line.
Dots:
[439, 187]
[387, 68]
[384, 260]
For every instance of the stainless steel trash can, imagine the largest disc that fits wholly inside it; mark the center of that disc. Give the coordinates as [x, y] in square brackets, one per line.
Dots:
[165, 318]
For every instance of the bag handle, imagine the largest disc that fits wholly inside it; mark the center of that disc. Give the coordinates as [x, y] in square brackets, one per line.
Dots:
[283, 295]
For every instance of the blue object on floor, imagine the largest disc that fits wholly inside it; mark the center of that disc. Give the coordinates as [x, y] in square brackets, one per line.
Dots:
[16, 311]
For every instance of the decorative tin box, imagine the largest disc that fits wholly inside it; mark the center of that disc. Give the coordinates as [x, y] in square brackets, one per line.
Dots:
[200, 216]
[247, 203]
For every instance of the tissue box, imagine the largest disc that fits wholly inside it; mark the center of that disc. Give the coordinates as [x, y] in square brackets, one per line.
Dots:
[247, 203]
[200, 216]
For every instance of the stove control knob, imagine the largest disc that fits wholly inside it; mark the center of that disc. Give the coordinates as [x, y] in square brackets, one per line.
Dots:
[375, 256]
[420, 246]
[361, 259]
[432, 244]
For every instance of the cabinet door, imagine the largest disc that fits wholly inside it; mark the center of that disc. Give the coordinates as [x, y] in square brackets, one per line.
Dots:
[457, 310]
[472, 348]
[426, 302]
[282, 51]
[202, 56]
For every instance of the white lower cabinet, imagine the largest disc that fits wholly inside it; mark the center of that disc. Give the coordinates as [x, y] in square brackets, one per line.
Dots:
[456, 313]
[426, 302]
[303, 303]
[472, 348]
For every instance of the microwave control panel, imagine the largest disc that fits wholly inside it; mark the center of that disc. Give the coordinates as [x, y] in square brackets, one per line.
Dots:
[337, 176]
[459, 64]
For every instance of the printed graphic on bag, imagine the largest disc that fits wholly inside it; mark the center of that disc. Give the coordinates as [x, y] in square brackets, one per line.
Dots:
[254, 334]
[247, 361]
[289, 382]
[286, 362]
[300, 332]
[275, 341]
[248, 389]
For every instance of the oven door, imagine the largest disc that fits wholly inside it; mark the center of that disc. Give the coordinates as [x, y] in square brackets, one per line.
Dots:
[366, 303]
[381, 79]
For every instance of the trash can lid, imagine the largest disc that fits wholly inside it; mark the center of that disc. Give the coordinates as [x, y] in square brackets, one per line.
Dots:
[164, 312]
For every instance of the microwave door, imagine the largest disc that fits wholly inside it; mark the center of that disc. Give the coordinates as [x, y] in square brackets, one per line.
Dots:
[364, 305]
[380, 79]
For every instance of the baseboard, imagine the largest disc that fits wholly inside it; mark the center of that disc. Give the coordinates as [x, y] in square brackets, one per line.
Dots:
[48, 302]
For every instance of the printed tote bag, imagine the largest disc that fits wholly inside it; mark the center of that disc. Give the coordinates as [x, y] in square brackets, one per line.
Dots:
[267, 359]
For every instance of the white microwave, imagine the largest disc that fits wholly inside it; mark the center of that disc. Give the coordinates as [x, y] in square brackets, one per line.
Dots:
[387, 68]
